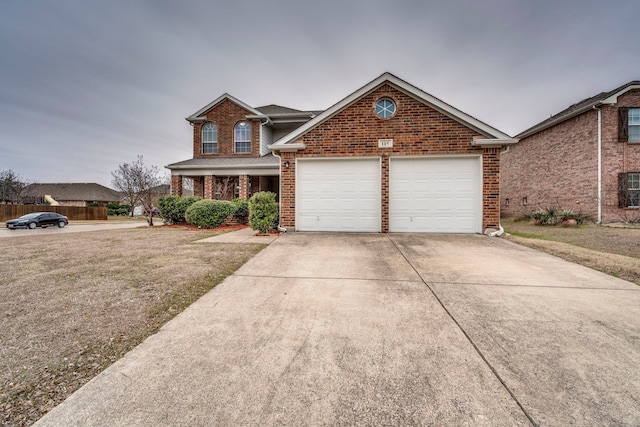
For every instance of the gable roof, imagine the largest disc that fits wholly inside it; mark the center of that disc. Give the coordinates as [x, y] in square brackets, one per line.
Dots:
[603, 98]
[420, 95]
[200, 114]
[90, 192]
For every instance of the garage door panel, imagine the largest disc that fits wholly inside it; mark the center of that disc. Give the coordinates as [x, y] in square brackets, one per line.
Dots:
[435, 195]
[338, 195]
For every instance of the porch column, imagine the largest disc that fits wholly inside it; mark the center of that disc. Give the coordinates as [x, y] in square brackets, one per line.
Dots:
[244, 187]
[176, 185]
[209, 187]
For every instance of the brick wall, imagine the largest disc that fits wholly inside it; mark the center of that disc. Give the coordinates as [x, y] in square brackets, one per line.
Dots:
[555, 167]
[416, 129]
[559, 166]
[226, 115]
[176, 185]
[617, 157]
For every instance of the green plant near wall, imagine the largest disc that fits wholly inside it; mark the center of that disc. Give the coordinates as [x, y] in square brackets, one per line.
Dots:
[263, 212]
[173, 208]
[209, 213]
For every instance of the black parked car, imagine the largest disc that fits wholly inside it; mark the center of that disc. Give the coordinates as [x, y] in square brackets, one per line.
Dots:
[38, 219]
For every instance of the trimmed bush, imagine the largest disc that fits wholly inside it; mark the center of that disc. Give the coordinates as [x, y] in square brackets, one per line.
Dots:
[242, 210]
[209, 213]
[263, 211]
[116, 208]
[173, 208]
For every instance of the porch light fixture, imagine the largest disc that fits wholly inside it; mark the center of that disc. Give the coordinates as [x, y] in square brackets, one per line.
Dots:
[286, 164]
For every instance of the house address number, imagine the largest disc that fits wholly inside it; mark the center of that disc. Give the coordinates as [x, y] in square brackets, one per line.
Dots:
[385, 143]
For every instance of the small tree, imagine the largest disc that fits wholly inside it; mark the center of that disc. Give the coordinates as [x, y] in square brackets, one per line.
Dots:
[263, 211]
[11, 187]
[138, 184]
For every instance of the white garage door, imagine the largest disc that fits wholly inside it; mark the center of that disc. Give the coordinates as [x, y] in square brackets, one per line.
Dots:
[338, 195]
[438, 195]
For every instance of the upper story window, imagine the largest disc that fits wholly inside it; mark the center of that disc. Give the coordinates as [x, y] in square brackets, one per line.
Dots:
[242, 137]
[209, 138]
[634, 124]
[385, 108]
[628, 124]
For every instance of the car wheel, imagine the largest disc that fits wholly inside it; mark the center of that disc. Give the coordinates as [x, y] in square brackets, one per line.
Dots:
[32, 225]
[61, 224]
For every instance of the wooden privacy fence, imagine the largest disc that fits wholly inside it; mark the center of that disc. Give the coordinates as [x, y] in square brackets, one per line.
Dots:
[72, 212]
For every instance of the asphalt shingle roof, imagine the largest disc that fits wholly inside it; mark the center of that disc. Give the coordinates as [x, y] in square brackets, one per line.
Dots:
[74, 191]
[575, 109]
[229, 162]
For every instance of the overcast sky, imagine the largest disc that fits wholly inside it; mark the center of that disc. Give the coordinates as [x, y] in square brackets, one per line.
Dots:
[88, 85]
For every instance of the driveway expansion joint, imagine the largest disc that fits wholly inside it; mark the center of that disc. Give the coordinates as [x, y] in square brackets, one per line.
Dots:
[473, 344]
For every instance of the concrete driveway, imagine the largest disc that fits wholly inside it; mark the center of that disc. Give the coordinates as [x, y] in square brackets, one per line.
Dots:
[328, 329]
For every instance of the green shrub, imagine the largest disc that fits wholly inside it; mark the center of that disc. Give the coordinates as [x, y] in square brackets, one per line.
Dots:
[242, 210]
[209, 213]
[173, 208]
[115, 208]
[263, 211]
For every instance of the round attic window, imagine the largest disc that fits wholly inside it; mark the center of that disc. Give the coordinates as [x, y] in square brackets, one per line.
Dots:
[385, 108]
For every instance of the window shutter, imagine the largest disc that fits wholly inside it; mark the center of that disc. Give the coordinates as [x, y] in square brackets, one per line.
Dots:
[623, 124]
[623, 190]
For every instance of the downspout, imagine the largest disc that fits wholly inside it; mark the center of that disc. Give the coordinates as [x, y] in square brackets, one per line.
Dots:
[279, 227]
[599, 164]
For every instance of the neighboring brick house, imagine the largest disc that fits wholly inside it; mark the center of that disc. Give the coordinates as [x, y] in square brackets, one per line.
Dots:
[585, 158]
[231, 157]
[387, 158]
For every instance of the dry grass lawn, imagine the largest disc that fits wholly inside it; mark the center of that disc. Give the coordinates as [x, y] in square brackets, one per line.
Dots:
[72, 304]
[612, 250]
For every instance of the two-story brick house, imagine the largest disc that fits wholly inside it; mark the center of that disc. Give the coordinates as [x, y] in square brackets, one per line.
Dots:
[231, 157]
[585, 158]
[387, 158]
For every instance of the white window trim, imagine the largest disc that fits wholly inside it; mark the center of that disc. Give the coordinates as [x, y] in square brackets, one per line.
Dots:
[236, 141]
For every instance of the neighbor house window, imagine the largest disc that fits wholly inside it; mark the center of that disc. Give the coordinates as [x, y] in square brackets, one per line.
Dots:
[629, 190]
[209, 138]
[629, 124]
[634, 124]
[242, 137]
[385, 108]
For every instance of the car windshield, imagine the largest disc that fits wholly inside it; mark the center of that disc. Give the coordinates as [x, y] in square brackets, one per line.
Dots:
[30, 216]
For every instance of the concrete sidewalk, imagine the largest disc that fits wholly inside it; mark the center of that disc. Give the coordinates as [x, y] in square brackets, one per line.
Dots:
[328, 329]
[244, 235]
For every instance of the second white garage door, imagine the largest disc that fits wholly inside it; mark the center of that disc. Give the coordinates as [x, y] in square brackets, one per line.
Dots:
[338, 195]
[438, 195]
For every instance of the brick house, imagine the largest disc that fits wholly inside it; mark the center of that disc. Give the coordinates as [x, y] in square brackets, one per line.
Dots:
[231, 157]
[387, 158]
[585, 158]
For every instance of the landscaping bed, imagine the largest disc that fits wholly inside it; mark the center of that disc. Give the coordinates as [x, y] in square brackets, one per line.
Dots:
[72, 304]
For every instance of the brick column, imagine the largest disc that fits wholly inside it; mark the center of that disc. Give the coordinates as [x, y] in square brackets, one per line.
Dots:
[288, 195]
[243, 182]
[490, 188]
[209, 187]
[176, 185]
[198, 186]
